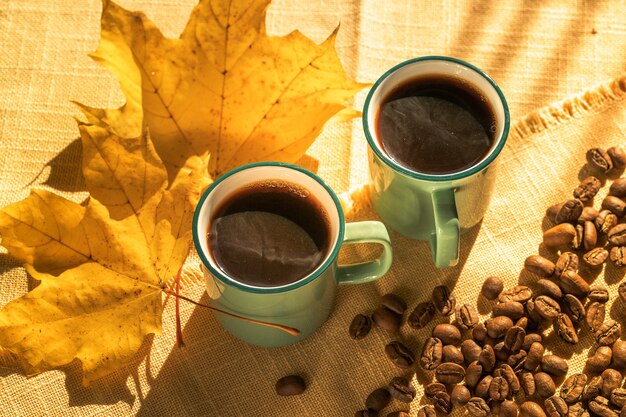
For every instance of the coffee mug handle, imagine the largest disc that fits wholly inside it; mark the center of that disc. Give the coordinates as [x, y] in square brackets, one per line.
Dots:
[445, 241]
[366, 232]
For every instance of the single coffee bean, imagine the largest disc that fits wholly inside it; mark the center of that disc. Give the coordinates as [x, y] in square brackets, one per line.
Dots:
[514, 339]
[618, 156]
[482, 389]
[509, 374]
[592, 389]
[559, 235]
[577, 242]
[531, 409]
[394, 303]
[621, 290]
[600, 360]
[290, 385]
[535, 355]
[487, 358]
[508, 408]
[421, 315]
[569, 211]
[425, 411]
[572, 283]
[387, 319]
[401, 389]
[498, 326]
[530, 339]
[527, 381]
[519, 293]
[378, 399]
[589, 214]
[587, 189]
[477, 407]
[449, 334]
[556, 406]
[522, 322]
[479, 332]
[577, 410]
[501, 351]
[466, 316]
[492, 287]
[399, 355]
[531, 312]
[567, 261]
[517, 360]
[605, 221]
[619, 355]
[432, 353]
[573, 308]
[511, 309]
[618, 255]
[419, 413]
[460, 395]
[618, 188]
[470, 350]
[554, 365]
[544, 385]
[498, 389]
[618, 397]
[443, 300]
[552, 211]
[360, 326]
[617, 235]
[442, 403]
[433, 388]
[449, 373]
[539, 265]
[452, 354]
[615, 205]
[573, 387]
[473, 374]
[547, 307]
[595, 314]
[600, 406]
[366, 413]
[599, 159]
[608, 333]
[564, 328]
[590, 235]
[598, 293]
[549, 288]
[611, 379]
[596, 256]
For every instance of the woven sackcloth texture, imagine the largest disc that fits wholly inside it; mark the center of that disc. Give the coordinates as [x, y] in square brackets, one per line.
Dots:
[561, 66]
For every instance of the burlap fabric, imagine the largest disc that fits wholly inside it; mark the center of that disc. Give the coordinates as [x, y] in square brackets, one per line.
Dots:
[539, 52]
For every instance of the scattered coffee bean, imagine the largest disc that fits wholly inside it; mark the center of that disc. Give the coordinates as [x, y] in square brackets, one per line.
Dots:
[587, 189]
[450, 373]
[564, 328]
[479, 332]
[608, 333]
[589, 214]
[617, 235]
[618, 188]
[470, 350]
[482, 389]
[517, 360]
[595, 314]
[615, 205]
[433, 388]
[501, 352]
[421, 315]
[544, 385]
[573, 387]
[487, 358]
[569, 211]
[618, 255]
[449, 334]
[534, 357]
[618, 156]
[514, 339]
[554, 365]
[443, 403]
[443, 300]
[400, 355]
[387, 319]
[378, 399]
[599, 159]
[523, 322]
[530, 339]
[573, 308]
[498, 326]
[619, 355]
[466, 316]
[452, 354]
[590, 235]
[492, 287]
[290, 385]
[519, 293]
[527, 381]
[547, 307]
[498, 389]
[577, 242]
[460, 395]
[511, 309]
[600, 406]
[552, 211]
[394, 303]
[508, 408]
[598, 293]
[360, 326]
[539, 265]
[473, 373]
[432, 354]
[556, 406]
[567, 261]
[572, 283]
[577, 410]
[600, 360]
[605, 221]
[508, 373]
[559, 235]
[425, 411]
[611, 379]
[477, 407]
[596, 256]
[592, 389]
[549, 288]
[618, 397]
[531, 409]
[401, 389]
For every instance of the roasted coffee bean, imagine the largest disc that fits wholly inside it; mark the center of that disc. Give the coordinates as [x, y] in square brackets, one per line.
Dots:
[477, 407]
[444, 300]
[400, 355]
[619, 355]
[621, 290]
[547, 307]
[618, 156]
[572, 283]
[590, 235]
[595, 314]
[618, 255]
[419, 413]
[564, 328]
[498, 389]
[527, 381]
[517, 360]
[534, 357]
[589, 214]
[508, 408]
[401, 389]
[539, 265]
[567, 261]
[425, 411]
[611, 379]
[556, 406]
[482, 389]
[522, 322]
[573, 387]
[618, 397]
[577, 242]
[442, 403]
[617, 235]
[598, 293]
[530, 339]
[509, 374]
[531, 312]
[552, 211]
[466, 316]
[600, 406]
[498, 326]
[559, 235]
[549, 288]
[492, 287]
[432, 353]
[433, 388]
[599, 159]
[487, 358]
[501, 351]
[470, 350]
[596, 256]
[394, 303]
[554, 365]
[608, 333]
[473, 373]
[531, 409]
[544, 385]
[600, 360]
[479, 332]
[460, 395]
[366, 413]
[378, 399]
[605, 221]
[587, 189]
[592, 389]
[290, 385]
[514, 339]
[618, 188]
[449, 334]
[452, 354]
[573, 308]
[449, 373]
[519, 293]
[615, 205]
[577, 410]
[387, 319]
[569, 211]
[511, 309]
[360, 326]
[421, 315]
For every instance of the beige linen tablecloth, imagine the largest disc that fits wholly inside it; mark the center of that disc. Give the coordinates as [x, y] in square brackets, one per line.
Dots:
[540, 52]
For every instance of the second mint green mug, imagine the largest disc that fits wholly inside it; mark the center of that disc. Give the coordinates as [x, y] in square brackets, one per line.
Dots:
[433, 207]
[306, 303]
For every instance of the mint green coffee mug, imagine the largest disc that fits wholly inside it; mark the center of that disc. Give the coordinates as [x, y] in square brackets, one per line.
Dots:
[306, 303]
[429, 206]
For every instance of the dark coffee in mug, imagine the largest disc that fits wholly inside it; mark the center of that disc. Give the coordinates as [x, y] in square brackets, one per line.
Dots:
[269, 233]
[436, 124]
